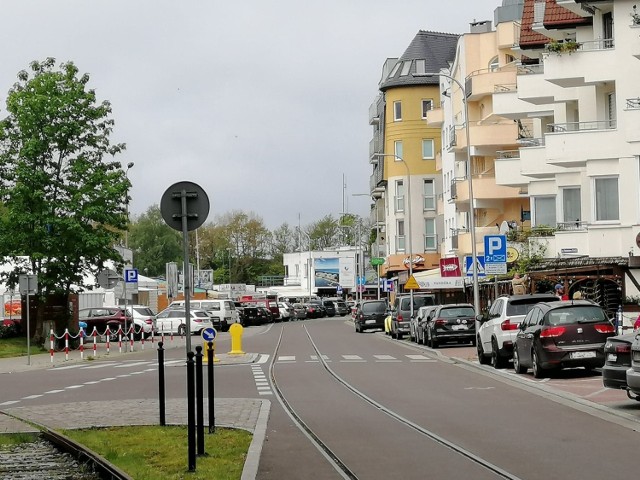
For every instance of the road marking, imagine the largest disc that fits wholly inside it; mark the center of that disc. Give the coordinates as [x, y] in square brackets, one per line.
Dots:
[128, 365]
[479, 388]
[72, 387]
[68, 367]
[266, 393]
[262, 384]
[285, 358]
[57, 391]
[124, 375]
[352, 357]
[31, 397]
[263, 359]
[108, 379]
[593, 394]
[91, 383]
[385, 358]
[420, 358]
[101, 365]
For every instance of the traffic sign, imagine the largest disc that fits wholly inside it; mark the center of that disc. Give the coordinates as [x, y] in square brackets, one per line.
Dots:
[28, 284]
[108, 278]
[131, 275]
[411, 284]
[338, 289]
[479, 266]
[376, 261]
[209, 334]
[495, 254]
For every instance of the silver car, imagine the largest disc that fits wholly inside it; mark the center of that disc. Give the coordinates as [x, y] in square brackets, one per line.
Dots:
[173, 320]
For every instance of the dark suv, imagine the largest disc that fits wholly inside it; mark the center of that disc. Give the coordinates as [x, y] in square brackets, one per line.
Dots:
[370, 314]
[401, 312]
[451, 323]
[330, 307]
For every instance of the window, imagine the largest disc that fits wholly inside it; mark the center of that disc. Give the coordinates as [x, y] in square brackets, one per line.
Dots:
[406, 66]
[571, 205]
[606, 199]
[397, 111]
[427, 149]
[429, 194]
[397, 147]
[430, 234]
[395, 69]
[400, 236]
[544, 209]
[421, 66]
[426, 106]
[400, 196]
[494, 64]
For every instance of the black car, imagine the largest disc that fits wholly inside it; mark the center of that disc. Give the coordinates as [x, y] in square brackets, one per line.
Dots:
[370, 314]
[315, 310]
[252, 316]
[329, 307]
[617, 360]
[451, 323]
[562, 334]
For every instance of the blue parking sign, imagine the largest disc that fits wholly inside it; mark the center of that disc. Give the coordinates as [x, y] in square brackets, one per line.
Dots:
[495, 249]
[131, 275]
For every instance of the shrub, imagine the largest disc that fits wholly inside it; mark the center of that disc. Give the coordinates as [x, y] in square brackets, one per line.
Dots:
[8, 329]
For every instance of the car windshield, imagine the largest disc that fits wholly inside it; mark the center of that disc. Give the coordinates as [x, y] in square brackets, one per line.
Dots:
[455, 312]
[144, 311]
[341, 304]
[522, 307]
[374, 307]
[576, 314]
[200, 313]
[418, 302]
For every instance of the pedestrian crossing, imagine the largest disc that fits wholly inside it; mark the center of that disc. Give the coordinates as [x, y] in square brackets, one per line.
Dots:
[351, 358]
[107, 364]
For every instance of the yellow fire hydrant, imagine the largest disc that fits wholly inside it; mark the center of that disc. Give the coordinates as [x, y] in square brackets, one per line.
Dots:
[235, 331]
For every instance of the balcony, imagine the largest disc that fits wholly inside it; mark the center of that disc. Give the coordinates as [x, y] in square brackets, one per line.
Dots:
[435, 117]
[508, 104]
[464, 240]
[484, 188]
[488, 134]
[374, 116]
[508, 167]
[533, 162]
[375, 146]
[482, 83]
[572, 144]
[560, 68]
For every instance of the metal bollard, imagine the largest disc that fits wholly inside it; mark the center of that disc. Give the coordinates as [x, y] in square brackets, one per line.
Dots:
[161, 398]
[235, 331]
[191, 414]
[199, 401]
[212, 415]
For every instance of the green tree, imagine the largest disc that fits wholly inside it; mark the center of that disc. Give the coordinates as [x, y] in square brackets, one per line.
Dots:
[154, 243]
[324, 233]
[64, 195]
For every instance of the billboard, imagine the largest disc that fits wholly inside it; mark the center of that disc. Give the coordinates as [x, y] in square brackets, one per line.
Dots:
[326, 272]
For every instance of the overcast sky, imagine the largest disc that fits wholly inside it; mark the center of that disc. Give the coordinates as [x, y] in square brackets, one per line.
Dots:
[263, 103]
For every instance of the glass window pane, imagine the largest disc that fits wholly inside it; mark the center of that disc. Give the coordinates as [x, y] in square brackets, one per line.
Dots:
[398, 150]
[571, 205]
[405, 68]
[397, 110]
[426, 106]
[607, 199]
[427, 148]
[545, 211]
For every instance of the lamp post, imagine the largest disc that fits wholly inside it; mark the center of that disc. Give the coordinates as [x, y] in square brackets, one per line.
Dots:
[309, 261]
[377, 235]
[472, 220]
[408, 207]
[126, 232]
[229, 258]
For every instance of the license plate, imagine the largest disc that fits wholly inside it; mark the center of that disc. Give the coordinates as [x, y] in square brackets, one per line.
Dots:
[459, 327]
[590, 354]
[369, 321]
[612, 357]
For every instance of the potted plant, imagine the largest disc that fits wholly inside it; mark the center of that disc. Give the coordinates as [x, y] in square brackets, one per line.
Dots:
[570, 46]
[554, 47]
[635, 17]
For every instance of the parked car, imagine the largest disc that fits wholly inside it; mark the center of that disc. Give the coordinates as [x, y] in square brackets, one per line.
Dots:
[421, 321]
[103, 317]
[341, 307]
[299, 311]
[286, 311]
[401, 312]
[314, 310]
[371, 314]
[451, 323]
[329, 307]
[617, 360]
[498, 328]
[319, 307]
[143, 318]
[633, 374]
[561, 334]
[174, 320]
[223, 313]
[254, 316]
[267, 314]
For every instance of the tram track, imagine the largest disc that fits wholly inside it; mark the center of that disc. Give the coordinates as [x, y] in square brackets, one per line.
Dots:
[333, 457]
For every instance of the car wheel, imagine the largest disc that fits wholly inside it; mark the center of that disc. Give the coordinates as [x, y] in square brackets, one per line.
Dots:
[517, 366]
[399, 335]
[182, 330]
[497, 361]
[538, 371]
[482, 358]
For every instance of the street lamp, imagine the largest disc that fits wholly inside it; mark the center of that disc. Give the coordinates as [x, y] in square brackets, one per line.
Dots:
[126, 232]
[408, 207]
[229, 257]
[377, 235]
[309, 261]
[472, 220]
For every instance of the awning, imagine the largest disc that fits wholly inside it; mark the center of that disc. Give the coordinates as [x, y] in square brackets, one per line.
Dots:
[431, 280]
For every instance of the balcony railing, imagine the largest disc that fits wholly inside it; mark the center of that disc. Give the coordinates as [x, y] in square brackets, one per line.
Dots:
[633, 103]
[569, 226]
[581, 126]
[507, 87]
[531, 142]
[505, 154]
[532, 69]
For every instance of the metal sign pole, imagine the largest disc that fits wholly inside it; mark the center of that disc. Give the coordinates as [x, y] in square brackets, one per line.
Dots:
[28, 328]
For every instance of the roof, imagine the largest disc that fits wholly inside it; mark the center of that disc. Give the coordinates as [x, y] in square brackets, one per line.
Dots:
[580, 262]
[428, 52]
[555, 16]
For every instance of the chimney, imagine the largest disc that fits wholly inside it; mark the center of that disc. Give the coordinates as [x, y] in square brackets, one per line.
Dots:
[482, 26]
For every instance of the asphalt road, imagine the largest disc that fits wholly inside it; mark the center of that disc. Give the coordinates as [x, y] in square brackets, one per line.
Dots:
[565, 427]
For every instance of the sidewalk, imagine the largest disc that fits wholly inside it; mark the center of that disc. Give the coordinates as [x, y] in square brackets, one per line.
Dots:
[245, 413]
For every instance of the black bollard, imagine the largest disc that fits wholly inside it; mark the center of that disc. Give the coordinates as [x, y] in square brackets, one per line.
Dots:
[191, 414]
[212, 415]
[161, 399]
[199, 401]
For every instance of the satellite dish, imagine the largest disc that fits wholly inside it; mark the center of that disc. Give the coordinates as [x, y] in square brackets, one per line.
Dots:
[504, 228]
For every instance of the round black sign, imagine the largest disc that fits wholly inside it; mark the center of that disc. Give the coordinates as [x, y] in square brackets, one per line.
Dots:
[197, 205]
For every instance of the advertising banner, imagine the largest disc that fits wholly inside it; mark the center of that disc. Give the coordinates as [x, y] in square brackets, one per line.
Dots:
[450, 267]
[327, 272]
[347, 272]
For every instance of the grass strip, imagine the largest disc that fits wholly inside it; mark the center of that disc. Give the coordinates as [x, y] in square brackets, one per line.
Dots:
[17, 347]
[155, 452]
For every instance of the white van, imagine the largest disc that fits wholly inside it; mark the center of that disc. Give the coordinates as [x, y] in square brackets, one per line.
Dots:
[223, 313]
